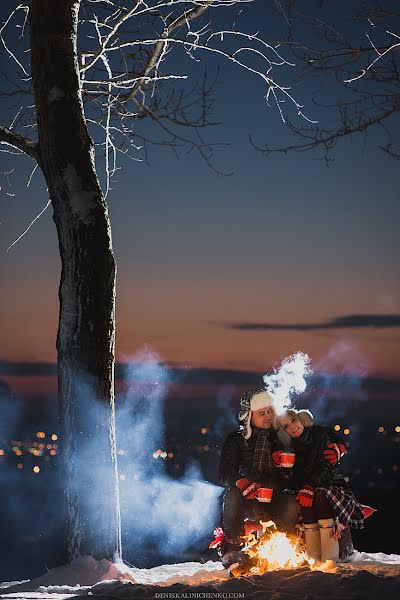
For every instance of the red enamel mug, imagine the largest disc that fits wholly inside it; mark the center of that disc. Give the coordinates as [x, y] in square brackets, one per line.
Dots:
[287, 459]
[264, 494]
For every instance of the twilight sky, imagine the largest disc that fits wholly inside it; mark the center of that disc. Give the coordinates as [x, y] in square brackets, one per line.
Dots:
[284, 240]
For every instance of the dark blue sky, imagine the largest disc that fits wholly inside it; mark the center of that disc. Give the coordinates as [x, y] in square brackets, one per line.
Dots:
[285, 239]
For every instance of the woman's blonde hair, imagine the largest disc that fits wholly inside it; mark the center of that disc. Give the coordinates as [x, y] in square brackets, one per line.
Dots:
[304, 415]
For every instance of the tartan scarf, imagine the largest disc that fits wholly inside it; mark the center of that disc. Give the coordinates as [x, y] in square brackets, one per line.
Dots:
[262, 459]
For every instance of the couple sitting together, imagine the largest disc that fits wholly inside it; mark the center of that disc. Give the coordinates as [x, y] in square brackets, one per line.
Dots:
[313, 491]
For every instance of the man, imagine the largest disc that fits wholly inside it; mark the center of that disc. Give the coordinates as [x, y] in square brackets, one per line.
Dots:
[250, 458]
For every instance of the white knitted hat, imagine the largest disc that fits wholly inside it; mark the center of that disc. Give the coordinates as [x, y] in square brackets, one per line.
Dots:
[251, 401]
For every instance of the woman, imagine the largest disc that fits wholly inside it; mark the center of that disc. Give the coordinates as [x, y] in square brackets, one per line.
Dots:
[249, 458]
[324, 493]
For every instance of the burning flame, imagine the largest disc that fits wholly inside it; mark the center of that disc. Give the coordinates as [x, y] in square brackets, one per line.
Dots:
[281, 552]
[274, 550]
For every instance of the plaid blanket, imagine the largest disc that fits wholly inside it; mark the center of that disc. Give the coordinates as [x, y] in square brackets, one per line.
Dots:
[346, 507]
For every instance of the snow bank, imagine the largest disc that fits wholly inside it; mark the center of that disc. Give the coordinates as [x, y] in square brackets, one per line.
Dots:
[81, 574]
[190, 573]
[366, 574]
[378, 563]
[84, 571]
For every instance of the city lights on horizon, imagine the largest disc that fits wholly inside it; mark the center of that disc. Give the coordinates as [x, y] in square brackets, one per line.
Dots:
[41, 435]
[44, 449]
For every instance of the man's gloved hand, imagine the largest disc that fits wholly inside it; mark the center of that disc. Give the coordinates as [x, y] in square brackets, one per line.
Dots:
[334, 452]
[306, 496]
[276, 457]
[248, 488]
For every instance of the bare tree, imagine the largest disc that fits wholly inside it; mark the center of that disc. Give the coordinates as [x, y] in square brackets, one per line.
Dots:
[107, 65]
[353, 59]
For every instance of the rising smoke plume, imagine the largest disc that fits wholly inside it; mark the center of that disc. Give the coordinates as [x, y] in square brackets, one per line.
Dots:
[159, 513]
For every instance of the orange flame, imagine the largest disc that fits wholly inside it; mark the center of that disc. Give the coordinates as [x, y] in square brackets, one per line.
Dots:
[274, 550]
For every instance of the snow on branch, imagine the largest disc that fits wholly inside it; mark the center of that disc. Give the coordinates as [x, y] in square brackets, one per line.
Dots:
[10, 53]
[161, 47]
[132, 55]
[334, 51]
[29, 226]
[15, 140]
[130, 63]
[192, 40]
[8, 136]
[379, 53]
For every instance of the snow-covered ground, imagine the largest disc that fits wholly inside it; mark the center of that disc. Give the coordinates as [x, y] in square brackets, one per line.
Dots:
[366, 576]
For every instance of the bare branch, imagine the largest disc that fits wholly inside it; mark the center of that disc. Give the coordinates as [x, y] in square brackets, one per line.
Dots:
[29, 226]
[380, 55]
[336, 54]
[160, 46]
[126, 45]
[326, 139]
[10, 53]
[27, 146]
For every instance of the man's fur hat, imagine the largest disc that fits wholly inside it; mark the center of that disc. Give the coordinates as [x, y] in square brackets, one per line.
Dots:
[251, 401]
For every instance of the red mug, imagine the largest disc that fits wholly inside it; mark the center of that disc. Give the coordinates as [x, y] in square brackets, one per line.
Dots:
[264, 494]
[287, 459]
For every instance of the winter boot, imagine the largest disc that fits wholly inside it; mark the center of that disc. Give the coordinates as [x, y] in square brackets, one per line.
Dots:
[231, 554]
[313, 540]
[329, 544]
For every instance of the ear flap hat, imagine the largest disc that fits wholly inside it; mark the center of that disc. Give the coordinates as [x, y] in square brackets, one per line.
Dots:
[251, 401]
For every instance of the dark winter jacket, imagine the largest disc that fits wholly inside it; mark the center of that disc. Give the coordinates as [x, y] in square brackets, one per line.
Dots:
[237, 461]
[310, 465]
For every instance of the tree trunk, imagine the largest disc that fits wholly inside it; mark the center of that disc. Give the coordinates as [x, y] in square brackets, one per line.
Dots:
[86, 333]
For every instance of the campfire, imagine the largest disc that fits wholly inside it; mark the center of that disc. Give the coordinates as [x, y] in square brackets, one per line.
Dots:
[270, 549]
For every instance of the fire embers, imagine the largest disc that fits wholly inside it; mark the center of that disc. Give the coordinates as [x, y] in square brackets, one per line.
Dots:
[271, 550]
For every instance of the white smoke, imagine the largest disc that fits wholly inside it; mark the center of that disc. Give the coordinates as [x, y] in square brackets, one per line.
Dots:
[340, 375]
[289, 379]
[343, 358]
[158, 511]
[336, 385]
[227, 416]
